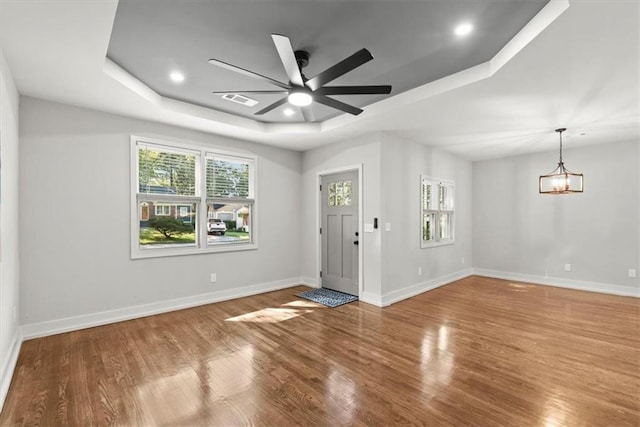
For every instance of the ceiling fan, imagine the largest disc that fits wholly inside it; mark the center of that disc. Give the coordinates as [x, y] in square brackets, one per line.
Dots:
[301, 91]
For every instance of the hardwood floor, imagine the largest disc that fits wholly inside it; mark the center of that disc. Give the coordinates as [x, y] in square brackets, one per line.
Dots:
[476, 352]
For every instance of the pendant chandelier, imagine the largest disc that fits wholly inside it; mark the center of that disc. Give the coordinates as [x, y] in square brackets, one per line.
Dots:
[561, 180]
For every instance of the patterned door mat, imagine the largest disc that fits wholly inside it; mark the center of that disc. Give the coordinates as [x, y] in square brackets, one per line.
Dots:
[327, 297]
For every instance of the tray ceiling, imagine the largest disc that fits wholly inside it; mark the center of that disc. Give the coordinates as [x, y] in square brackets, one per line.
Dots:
[413, 43]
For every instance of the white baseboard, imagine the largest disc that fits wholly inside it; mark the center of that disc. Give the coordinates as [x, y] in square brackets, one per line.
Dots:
[371, 298]
[418, 288]
[605, 288]
[75, 323]
[309, 281]
[9, 367]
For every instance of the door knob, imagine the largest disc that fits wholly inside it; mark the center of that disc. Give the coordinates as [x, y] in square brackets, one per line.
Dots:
[356, 242]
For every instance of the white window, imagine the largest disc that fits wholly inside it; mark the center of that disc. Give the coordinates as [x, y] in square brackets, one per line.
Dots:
[437, 209]
[186, 185]
[230, 197]
[163, 210]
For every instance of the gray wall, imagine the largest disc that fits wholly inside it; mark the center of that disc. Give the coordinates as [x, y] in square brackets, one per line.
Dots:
[74, 229]
[9, 244]
[364, 151]
[74, 204]
[403, 163]
[517, 230]
[391, 173]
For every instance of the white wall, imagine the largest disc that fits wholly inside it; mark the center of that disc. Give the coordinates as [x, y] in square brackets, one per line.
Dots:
[516, 230]
[9, 253]
[364, 151]
[403, 163]
[75, 243]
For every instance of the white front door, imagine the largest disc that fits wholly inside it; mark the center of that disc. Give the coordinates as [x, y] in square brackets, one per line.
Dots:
[340, 240]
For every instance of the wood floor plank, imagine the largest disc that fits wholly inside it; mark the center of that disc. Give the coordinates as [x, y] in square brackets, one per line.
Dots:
[483, 352]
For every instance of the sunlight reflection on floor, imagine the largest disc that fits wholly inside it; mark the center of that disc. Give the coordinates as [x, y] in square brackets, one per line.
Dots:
[299, 303]
[520, 286]
[269, 315]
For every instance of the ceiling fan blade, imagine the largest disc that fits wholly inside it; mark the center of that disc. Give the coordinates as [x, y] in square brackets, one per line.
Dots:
[307, 114]
[354, 61]
[272, 106]
[354, 90]
[330, 102]
[249, 91]
[288, 58]
[248, 73]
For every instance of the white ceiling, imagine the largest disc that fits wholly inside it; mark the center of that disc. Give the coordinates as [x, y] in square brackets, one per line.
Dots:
[575, 67]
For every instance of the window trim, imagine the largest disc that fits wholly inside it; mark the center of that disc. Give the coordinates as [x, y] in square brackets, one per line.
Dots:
[200, 199]
[437, 241]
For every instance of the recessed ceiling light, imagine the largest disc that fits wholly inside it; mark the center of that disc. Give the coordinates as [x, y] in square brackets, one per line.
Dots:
[463, 29]
[176, 76]
[288, 112]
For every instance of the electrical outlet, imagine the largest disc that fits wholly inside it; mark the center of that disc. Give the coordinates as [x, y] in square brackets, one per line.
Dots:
[632, 272]
[419, 271]
[214, 278]
[462, 260]
[567, 267]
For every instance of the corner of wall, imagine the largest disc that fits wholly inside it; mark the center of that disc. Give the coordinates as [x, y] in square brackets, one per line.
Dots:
[9, 220]
[9, 367]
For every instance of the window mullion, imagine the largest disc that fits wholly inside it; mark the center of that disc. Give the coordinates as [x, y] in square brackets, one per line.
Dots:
[204, 219]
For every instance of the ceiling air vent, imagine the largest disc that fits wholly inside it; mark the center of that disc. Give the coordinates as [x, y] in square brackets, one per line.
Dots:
[239, 99]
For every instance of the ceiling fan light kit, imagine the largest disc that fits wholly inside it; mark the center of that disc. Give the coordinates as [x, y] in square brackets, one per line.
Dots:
[561, 180]
[302, 92]
[300, 98]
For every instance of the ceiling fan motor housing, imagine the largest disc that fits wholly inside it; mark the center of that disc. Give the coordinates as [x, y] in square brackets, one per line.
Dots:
[302, 58]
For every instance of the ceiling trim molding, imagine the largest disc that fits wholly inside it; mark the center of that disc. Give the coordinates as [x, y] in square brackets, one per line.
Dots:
[538, 23]
[119, 74]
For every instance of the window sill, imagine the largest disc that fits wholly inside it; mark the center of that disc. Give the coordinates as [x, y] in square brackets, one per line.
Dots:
[436, 244]
[138, 253]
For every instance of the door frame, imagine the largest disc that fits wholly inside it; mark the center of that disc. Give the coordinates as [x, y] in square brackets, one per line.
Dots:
[319, 175]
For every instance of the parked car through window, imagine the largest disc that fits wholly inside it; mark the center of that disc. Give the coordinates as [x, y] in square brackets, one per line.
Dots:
[216, 225]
